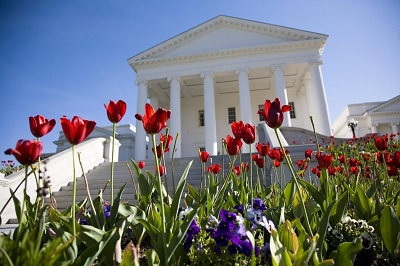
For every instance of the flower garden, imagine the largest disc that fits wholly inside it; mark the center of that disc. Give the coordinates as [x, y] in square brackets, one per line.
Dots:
[343, 211]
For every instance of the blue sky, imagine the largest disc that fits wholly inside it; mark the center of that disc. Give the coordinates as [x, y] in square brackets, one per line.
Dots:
[70, 57]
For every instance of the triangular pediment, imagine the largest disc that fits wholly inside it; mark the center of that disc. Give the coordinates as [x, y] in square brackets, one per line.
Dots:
[393, 105]
[225, 34]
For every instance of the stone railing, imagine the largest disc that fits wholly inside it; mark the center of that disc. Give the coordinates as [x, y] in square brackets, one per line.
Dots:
[59, 169]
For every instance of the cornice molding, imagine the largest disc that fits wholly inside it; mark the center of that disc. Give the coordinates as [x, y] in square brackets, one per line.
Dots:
[273, 48]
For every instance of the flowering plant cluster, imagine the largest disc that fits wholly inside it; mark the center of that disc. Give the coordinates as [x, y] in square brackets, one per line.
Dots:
[339, 205]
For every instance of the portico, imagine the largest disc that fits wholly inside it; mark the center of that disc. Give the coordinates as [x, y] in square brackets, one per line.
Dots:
[222, 71]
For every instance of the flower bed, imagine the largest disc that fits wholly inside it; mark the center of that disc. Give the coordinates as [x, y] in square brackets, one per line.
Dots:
[349, 215]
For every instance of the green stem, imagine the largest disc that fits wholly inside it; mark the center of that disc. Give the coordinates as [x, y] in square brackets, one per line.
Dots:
[163, 229]
[112, 166]
[73, 193]
[21, 218]
[294, 175]
[251, 176]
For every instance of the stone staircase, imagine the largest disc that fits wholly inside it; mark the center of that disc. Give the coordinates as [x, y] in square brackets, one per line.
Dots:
[99, 176]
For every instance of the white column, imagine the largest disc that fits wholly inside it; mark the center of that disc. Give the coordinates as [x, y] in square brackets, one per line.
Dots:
[245, 100]
[316, 98]
[280, 91]
[175, 121]
[374, 128]
[395, 129]
[209, 114]
[140, 138]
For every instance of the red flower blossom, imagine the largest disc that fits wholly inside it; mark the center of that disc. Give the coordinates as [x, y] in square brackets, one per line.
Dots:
[233, 145]
[259, 161]
[161, 170]
[115, 111]
[396, 159]
[214, 168]
[141, 164]
[40, 126]
[154, 122]
[263, 149]
[324, 160]
[76, 130]
[236, 169]
[331, 170]
[308, 154]
[166, 142]
[273, 114]
[353, 170]
[249, 134]
[392, 171]
[204, 156]
[26, 152]
[237, 129]
[381, 143]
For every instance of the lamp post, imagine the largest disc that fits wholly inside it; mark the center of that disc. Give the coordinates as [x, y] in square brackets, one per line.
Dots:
[353, 124]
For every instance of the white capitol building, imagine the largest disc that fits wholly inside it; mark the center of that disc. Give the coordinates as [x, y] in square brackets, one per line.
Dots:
[222, 71]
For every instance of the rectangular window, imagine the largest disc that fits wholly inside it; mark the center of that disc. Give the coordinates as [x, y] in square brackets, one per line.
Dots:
[261, 108]
[201, 118]
[292, 111]
[231, 115]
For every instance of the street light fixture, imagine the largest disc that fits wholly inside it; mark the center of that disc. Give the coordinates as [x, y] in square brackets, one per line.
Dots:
[353, 124]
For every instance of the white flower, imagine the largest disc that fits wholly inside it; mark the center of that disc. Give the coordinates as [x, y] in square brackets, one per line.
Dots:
[183, 214]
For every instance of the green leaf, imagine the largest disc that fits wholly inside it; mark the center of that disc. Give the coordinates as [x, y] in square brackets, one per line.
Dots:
[347, 252]
[288, 237]
[279, 254]
[362, 206]
[317, 196]
[144, 186]
[390, 229]
[179, 234]
[398, 208]
[339, 208]
[115, 207]
[93, 251]
[289, 192]
[253, 244]
[178, 193]
[322, 228]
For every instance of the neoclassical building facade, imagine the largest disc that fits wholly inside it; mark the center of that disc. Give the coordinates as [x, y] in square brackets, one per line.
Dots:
[222, 71]
[372, 117]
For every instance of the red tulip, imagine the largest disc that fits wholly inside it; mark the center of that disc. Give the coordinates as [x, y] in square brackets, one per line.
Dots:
[392, 171]
[161, 169]
[154, 122]
[331, 170]
[236, 169]
[263, 149]
[166, 142]
[308, 153]
[237, 129]
[259, 161]
[40, 126]
[115, 111]
[233, 145]
[214, 168]
[396, 159]
[26, 152]
[141, 164]
[249, 134]
[381, 143]
[324, 160]
[204, 156]
[273, 114]
[77, 129]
